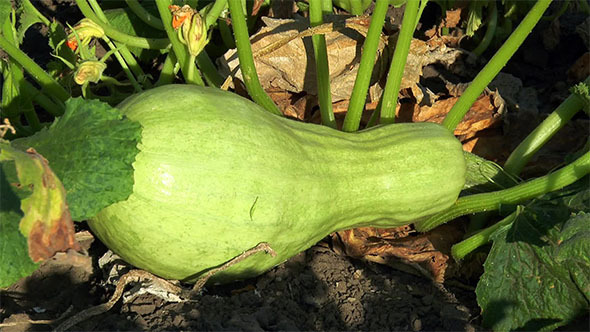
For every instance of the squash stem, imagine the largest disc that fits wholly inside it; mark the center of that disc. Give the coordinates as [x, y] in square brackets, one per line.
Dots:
[463, 248]
[493, 200]
[125, 58]
[490, 31]
[213, 13]
[167, 73]
[543, 133]
[42, 100]
[398, 63]
[356, 7]
[50, 85]
[363, 79]
[496, 63]
[147, 43]
[209, 70]
[180, 50]
[322, 65]
[144, 15]
[247, 59]
[327, 7]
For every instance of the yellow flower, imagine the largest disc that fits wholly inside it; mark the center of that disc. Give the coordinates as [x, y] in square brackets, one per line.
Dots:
[89, 71]
[85, 30]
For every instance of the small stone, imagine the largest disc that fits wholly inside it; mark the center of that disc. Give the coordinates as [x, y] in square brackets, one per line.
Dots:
[417, 324]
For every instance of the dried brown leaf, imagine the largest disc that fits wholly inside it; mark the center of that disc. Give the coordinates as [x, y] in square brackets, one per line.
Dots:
[452, 18]
[580, 69]
[291, 67]
[429, 253]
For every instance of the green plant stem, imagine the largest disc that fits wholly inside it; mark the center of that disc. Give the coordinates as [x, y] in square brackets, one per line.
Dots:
[363, 78]
[463, 248]
[327, 7]
[562, 9]
[226, 35]
[213, 13]
[423, 4]
[167, 72]
[191, 72]
[47, 82]
[42, 100]
[375, 116]
[123, 64]
[398, 63]
[179, 48]
[493, 67]
[247, 59]
[209, 70]
[147, 43]
[493, 200]
[585, 7]
[32, 119]
[543, 133]
[356, 7]
[322, 65]
[124, 57]
[490, 31]
[144, 15]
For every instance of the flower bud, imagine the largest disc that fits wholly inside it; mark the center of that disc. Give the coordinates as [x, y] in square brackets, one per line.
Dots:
[86, 29]
[193, 31]
[89, 71]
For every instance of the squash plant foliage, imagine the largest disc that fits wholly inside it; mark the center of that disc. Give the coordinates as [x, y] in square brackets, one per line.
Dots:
[180, 179]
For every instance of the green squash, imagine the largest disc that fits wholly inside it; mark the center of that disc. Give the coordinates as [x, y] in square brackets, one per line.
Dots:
[217, 174]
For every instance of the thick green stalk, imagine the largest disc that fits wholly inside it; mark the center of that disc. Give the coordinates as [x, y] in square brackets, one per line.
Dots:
[47, 82]
[247, 59]
[543, 133]
[493, 67]
[213, 13]
[122, 54]
[147, 43]
[562, 9]
[42, 100]
[356, 7]
[463, 248]
[209, 70]
[327, 7]
[322, 65]
[493, 200]
[363, 78]
[398, 63]
[490, 31]
[167, 73]
[144, 15]
[179, 48]
[32, 119]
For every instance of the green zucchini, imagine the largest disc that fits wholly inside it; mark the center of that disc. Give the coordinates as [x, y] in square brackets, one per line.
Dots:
[217, 174]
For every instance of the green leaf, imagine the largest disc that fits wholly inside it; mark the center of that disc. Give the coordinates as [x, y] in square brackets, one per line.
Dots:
[574, 250]
[91, 148]
[526, 284]
[484, 176]
[5, 10]
[475, 15]
[57, 38]
[14, 101]
[15, 262]
[124, 20]
[28, 15]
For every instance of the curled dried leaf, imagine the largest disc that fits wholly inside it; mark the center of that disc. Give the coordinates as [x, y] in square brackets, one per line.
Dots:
[46, 221]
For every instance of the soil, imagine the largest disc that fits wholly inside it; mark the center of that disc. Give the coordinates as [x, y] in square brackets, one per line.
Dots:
[315, 290]
[318, 289]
